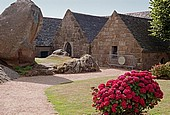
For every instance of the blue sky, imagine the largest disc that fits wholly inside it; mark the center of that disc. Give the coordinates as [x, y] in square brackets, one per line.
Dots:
[57, 8]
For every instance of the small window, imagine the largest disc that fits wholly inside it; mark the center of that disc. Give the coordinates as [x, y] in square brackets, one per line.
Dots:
[44, 54]
[114, 51]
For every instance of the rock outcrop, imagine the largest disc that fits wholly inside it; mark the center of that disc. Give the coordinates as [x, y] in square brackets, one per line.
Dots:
[85, 64]
[19, 24]
[7, 74]
[39, 69]
[59, 52]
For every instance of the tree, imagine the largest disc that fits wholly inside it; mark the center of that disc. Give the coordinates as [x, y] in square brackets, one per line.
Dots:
[160, 23]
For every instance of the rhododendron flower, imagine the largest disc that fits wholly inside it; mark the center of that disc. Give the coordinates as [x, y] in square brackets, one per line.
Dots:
[142, 102]
[142, 90]
[101, 86]
[124, 104]
[132, 92]
[106, 113]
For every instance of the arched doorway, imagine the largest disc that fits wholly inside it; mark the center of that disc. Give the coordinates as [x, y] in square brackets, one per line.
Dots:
[68, 48]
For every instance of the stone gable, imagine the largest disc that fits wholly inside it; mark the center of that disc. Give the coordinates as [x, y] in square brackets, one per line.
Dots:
[114, 33]
[129, 36]
[70, 31]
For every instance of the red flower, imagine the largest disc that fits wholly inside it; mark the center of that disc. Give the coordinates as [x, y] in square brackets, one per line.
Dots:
[142, 102]
[114, 107]
[141, 85]
[109, 83]
[124, 104]
[127, 74]
[136, 98]
[124, 84]
[129, 96]
[110, 91]
[106, 99]
[129, 106]
[123, 96]
[142, 90]
[106, 113]
[147, 77]
[127, 91]
[118, 92]
[136, 79]
[121, 88]
[101, 86]
[118, 97]
[94, 98]
[106, 103]
[136, 105]
[112, 96]
[122, 77]
[136, 110]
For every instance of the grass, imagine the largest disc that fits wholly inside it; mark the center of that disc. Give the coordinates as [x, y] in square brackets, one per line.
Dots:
[22, 70]
[163, 108]
[76, 99]
[57, 60]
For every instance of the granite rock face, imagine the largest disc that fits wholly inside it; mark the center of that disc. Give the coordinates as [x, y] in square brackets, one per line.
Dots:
[7, 74]
[85, 64]
[19, 25]
[60, 52]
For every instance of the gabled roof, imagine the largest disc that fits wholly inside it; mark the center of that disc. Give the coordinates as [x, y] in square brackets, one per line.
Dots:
[144, 14]
[47, 32]
[139, 28]
[91, 25]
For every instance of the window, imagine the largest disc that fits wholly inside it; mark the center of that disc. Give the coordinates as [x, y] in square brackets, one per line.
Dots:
[114, 51]
[44, 54]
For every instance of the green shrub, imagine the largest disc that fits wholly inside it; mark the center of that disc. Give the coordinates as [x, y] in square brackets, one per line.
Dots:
[22, 70]
[161, 70]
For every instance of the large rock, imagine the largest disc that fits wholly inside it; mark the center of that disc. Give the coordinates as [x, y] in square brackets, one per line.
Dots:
[59, 52]
[85, 64]
[19, 24]
[39, 69]
[7, 74]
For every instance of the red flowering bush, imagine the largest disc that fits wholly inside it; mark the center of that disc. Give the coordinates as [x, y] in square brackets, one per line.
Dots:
[129, 93]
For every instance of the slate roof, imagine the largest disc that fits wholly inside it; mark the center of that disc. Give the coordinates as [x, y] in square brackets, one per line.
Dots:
[47, 33]
[144, 14]
[91, 25]
[139, 28]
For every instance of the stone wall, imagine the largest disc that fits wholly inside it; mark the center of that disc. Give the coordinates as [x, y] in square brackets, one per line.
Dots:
[71, 32]
[150, 59]
[115, 33]
[43, 48]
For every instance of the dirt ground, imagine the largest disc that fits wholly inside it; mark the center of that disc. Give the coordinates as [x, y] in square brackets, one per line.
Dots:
[25, 96]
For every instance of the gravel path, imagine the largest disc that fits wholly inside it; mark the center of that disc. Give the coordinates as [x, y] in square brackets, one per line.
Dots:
[25, 96]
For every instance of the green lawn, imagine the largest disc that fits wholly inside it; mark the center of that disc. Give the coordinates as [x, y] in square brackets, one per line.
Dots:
[76, 99]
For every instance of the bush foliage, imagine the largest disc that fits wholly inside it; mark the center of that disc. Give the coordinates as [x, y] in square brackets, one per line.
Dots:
[161, 70]
[22, 70]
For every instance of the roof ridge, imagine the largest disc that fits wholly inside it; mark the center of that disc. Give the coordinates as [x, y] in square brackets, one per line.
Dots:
[133, 16]
[52, 18]
[90, 15]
